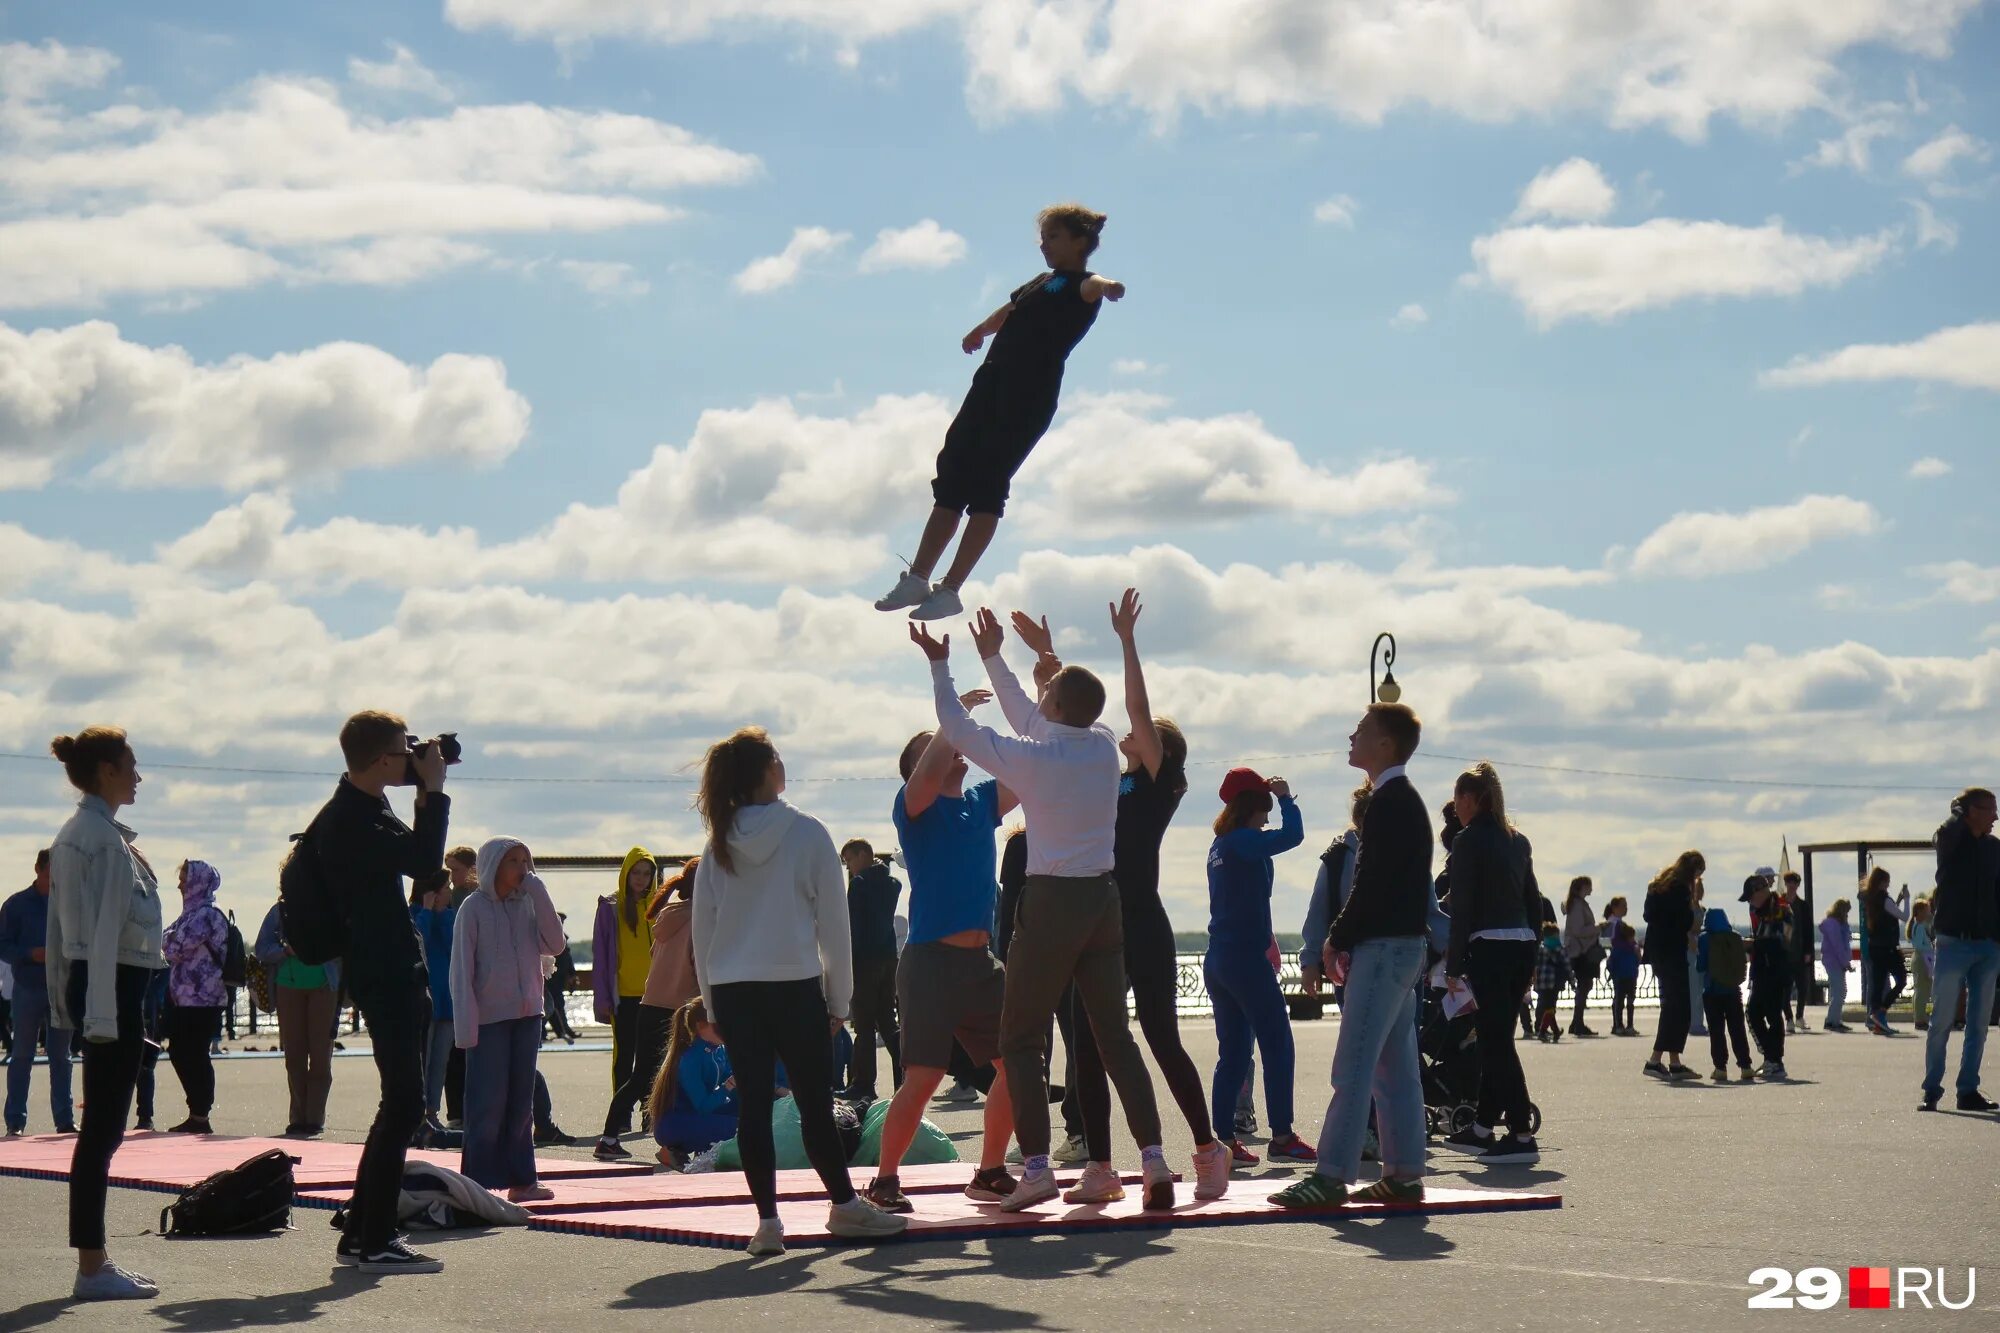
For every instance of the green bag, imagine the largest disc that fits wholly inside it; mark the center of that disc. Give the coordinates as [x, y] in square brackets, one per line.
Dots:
[930, 1145]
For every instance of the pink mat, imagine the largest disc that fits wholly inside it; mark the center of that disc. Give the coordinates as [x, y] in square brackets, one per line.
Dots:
[954, 1217]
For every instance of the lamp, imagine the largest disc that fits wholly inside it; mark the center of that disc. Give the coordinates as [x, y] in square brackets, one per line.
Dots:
[1388, 691]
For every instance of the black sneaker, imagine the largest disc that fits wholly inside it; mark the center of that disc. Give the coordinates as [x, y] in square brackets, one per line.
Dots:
[396, 1257]
[1466, 1140]
[886, 1193]
[611, 1150]
[1930, 1101]
[1975, 1101]
[1657, 1070]
[348, 1253]
[1514, 1150]
[551, 1136]
[1682, 1074]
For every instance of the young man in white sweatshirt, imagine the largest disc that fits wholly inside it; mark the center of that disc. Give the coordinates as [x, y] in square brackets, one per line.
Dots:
[1064, 766]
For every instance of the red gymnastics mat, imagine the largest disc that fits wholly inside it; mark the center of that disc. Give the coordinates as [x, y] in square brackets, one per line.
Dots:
[951, 1216]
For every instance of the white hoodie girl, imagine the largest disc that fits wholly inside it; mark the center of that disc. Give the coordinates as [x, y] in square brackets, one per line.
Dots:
[781, 914]
[497, 948]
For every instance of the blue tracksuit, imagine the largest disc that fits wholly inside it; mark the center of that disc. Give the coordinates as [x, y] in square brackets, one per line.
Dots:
[1241, 985]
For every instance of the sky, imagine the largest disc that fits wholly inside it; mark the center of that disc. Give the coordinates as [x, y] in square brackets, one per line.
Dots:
[567, 374]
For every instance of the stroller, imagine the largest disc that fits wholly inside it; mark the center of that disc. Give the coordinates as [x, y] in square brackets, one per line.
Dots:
[1448, 1059]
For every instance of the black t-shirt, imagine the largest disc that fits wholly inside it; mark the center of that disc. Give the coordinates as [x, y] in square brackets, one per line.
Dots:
[1146, 806]
[1049, 318]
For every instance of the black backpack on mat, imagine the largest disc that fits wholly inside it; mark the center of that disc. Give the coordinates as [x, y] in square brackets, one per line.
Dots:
[245, 1200]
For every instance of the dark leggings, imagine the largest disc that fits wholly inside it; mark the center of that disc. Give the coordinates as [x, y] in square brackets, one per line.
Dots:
[1498, 972]
[624, 1043]
[1623, 992]
[1768, 991]
[110, 1072]
[1886, 978]
[189, 1031]
[1671, 971]
[1586, 977]
[1151, 968]
[763, 1022]
[651, 1027]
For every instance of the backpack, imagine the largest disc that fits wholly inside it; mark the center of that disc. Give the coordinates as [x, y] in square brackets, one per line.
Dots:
[244, 1200]
[235, 961]
[1727, 960]
[315, 927]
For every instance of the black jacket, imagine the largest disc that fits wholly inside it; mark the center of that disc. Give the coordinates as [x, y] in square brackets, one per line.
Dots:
[1669, 918]
[871, 913]
[1493, 886]
[1966, 903]
[367, 851]
[1391, 896]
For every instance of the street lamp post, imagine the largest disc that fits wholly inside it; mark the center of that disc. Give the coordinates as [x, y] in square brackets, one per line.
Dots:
[1389, 691]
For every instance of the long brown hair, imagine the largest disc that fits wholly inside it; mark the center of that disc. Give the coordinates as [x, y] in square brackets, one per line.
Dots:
[1576, 886]
[667, 1082]
[1874, 895]
[1237, 813]
[682, 883]
[730, 776]
[1482, 783]
[1685, 870]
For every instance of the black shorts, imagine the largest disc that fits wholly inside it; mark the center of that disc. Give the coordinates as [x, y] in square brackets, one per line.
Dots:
[992, 435]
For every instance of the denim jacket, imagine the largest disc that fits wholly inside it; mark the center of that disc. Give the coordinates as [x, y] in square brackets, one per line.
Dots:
[104, 909]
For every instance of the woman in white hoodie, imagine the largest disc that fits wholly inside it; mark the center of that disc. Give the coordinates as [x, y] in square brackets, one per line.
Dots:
[497, 944]
[772, 953]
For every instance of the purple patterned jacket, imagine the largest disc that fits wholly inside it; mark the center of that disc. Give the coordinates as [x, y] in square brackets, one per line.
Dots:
[195, 943]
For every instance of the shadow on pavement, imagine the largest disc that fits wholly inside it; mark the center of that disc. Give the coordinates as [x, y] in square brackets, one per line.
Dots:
[232, 1312]
[1399, 1239]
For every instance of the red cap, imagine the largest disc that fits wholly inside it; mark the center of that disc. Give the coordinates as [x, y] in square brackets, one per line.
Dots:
[1241, 781]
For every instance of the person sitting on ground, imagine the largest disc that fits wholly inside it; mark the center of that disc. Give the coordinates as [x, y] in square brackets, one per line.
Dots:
[693, 1100]
[1722, 960]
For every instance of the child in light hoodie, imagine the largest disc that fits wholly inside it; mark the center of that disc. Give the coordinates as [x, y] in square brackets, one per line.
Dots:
[498, 941]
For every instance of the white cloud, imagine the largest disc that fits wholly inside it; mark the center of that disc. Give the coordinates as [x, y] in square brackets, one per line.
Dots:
[30, 75]
[245, 422]
[1677, 66]
[1853, 149]
[1929, 469]
[1132, 365]
[403, 72]
[604, 278]
[1963, 581]
[1113, 467]
[1935, 159]
[283, 181]
[1700, 545]
[923, 245]
[1932, 229]
[1338, 211]
[1967, 356]
[783, 269]
[1603, 273]
[1410, 316]
[1574, 191]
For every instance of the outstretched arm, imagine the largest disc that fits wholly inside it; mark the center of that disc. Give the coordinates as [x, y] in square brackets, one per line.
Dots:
[927, 778]
[1018, 708]
[986, 328]
[1138, 705]
[1097, 287]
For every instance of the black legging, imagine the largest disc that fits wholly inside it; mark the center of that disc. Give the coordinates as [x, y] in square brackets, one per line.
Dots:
[110, 1072]
[651, 1028]
[1766, 1011]
[1586, 977]
[1671, 970]
[1499, 971]
[1886, 977]
[1154, 975]
[763, 1022]
[190, 1028]
[624, 1042]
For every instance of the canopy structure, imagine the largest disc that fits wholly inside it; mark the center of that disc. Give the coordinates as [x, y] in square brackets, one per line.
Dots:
[1864, 851]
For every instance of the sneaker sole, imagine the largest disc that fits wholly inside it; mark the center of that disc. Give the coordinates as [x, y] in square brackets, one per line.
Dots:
[385, 1270]
[871, 1231]
[1021, 1200]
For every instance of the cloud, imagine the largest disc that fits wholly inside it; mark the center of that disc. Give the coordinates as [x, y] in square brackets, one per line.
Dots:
[401, 73]
[245, 422]
[1113, 466]
[1967, 356]
[1935, 159]
[783, 269]
[1604, 273]
[30, 75]
[282, 181]
[924, 245]
[1675, 66]
[1853, 149]
[604, 278]
[1929, 469]
[1702, 545]
[1932, 229]
[1132, 365]
[1963, 581]
[1575, 191]
[1338, 211]
[1410, 316]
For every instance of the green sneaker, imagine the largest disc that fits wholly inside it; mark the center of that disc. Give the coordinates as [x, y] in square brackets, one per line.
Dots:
[1391, 1189]
[1313, 1191]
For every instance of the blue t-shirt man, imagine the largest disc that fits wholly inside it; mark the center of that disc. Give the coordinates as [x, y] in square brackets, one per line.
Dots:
[948, 850]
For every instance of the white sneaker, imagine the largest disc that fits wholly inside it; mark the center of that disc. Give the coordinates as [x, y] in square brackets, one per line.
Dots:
[1035, 1187]
[858, 1219]
[1070, 1151]
[112, 1283]
[1100, 1184]
[769, 1240]
[1211, 1171]
[1159, 1185]
[1014, 1155]
[909, 591]
[942, 604]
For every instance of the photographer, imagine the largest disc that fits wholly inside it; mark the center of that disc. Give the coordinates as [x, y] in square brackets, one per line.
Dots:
[366, 851]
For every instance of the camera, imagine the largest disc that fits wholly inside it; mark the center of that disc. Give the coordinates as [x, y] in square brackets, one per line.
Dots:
[447, 745]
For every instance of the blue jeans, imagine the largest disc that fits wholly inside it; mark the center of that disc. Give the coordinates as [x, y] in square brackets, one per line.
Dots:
[31, 1010]
[437, 1055]
[1969, 964]
[1249, 1006]
[499, 1148]
[1375, 1060]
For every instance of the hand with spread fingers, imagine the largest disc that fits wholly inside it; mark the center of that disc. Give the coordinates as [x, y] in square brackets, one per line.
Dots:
[938, 650]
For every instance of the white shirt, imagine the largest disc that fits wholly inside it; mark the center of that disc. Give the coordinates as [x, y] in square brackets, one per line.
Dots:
[1388, 775]
[1066, 777]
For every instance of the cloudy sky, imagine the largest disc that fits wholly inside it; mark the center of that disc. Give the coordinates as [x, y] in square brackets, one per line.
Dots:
[567, 373]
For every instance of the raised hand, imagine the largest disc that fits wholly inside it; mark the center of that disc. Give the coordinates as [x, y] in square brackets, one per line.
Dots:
[1125, 615]
[938, 650]
[987, 636]
[1045, 671]
[1280, 787]
[971, 699]
[1114, 291]
[1035, 634]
